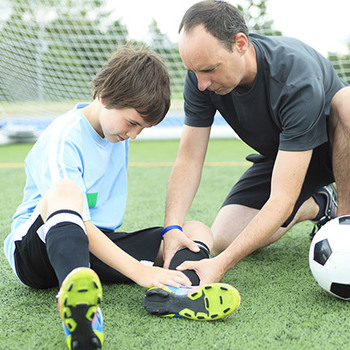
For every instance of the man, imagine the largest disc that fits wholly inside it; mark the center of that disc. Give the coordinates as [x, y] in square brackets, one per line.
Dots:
[283, 99]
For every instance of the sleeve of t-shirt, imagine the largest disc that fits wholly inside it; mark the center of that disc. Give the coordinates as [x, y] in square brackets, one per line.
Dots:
[62, 160]
[301, 109]
[199, 110]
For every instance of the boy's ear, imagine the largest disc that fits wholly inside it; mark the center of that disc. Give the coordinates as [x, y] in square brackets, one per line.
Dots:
[102, 102]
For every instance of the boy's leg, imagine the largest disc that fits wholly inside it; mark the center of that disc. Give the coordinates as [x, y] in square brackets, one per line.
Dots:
[209, 302]
[63, 231]
[143, 245]
[202, 235]
[68, 251]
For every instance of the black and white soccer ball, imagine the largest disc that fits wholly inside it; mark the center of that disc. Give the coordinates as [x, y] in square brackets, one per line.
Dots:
[329, 257]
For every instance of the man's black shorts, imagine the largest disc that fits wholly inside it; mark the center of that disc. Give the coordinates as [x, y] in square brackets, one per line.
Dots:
[253, 188]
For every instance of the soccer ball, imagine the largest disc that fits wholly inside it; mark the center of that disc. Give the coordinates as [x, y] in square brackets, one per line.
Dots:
[329, 257]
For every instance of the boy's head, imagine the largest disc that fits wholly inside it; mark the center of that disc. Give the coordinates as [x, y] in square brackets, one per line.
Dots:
[134, 78]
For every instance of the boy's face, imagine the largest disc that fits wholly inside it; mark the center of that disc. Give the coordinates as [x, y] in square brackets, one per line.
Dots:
[121, 124]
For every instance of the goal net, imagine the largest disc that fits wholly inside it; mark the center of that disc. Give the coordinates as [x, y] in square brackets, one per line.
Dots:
[51, 49]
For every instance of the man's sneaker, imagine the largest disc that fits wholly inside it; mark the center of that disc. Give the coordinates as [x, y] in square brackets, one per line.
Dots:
[205, 303]
[78, 304]
[330, 192]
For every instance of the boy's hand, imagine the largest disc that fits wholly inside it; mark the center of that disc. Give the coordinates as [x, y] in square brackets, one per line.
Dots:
[173, 241]
[152, 276]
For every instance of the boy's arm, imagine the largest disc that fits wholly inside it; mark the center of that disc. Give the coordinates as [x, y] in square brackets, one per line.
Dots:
[104, 249]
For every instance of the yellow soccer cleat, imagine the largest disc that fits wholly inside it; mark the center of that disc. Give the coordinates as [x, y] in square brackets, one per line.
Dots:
[78, 304]
[205, 303]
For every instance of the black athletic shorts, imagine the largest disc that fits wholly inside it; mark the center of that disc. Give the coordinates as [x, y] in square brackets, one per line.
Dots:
[35, 270]
[253, 188]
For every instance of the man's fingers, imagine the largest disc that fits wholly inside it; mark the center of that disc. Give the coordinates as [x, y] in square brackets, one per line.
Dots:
[193, 246]
[166, 262]
[187, 265]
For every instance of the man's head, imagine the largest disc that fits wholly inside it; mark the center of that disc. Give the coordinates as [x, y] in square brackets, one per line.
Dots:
[219, 18]
[135, 79]
[214, 44]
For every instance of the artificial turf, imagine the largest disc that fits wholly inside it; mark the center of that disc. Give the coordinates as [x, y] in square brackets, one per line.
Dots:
[282, 306]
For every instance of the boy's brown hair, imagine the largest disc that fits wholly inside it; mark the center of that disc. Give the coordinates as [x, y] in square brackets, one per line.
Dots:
[134, 78]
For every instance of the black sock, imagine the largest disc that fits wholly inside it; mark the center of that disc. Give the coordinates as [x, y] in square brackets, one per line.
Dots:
[321, 201]
[186, 254]
[67, 244]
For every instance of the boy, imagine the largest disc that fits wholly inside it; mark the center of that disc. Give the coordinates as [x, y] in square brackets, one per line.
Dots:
[63, 233]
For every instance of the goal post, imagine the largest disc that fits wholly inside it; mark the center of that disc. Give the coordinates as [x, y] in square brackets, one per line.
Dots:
[51, 49]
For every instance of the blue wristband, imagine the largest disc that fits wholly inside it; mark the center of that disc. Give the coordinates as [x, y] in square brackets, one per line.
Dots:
[168, 228]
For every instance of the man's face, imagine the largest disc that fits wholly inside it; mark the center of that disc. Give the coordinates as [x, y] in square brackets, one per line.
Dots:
[217, 69]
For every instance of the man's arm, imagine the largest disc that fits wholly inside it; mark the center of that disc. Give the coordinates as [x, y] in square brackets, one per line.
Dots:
[104, 249]
[183, 184]
[287, 179]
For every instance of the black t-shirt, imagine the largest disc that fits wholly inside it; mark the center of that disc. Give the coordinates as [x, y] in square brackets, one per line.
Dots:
[285, 109]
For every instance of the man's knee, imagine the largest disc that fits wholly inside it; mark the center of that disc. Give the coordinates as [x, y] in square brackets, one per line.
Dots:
[340, 108]
[222, 239]
[231, 220]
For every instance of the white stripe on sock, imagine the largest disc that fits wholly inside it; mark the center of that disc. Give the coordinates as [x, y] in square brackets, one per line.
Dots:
[57, 219]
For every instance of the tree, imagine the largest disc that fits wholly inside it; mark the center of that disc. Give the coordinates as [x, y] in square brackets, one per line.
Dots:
[257, 17]
[160, 43]
[56, 46]
[341, 64]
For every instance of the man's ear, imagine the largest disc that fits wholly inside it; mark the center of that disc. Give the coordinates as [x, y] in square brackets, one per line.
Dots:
[241, 43]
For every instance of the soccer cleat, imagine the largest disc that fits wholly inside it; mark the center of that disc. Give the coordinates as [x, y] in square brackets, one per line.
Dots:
[78, 304]
[330, 192]
[209, 302]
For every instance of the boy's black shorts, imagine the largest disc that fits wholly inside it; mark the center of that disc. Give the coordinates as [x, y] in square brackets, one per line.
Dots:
[34, 269]
[253, 188]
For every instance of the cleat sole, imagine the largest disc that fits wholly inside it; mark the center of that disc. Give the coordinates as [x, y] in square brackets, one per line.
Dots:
[210, 302]
[79, 298]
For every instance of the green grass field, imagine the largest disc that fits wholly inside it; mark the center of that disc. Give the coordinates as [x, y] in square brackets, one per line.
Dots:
[282, 306]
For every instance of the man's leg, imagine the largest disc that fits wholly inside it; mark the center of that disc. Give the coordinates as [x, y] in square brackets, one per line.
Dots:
[339, 132]
[232, 220]
[252, 191]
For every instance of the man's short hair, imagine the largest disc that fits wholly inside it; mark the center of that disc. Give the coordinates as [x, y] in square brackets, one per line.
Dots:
[221, 19]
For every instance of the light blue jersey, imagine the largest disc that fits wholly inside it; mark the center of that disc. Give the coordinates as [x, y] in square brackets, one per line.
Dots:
[71, 149]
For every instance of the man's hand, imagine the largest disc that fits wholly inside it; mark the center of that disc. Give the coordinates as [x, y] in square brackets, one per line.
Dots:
[208, 270]
[151, 276]
[173, 241]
